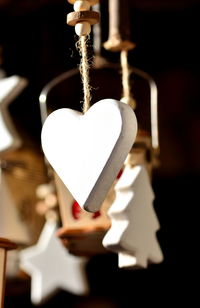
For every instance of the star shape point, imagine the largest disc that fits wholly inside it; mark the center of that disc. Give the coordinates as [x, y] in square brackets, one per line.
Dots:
[10, 87]
[51, 267]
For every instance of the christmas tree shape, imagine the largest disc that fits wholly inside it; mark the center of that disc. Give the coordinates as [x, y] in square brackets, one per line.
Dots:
[11, 226]
[134, 222]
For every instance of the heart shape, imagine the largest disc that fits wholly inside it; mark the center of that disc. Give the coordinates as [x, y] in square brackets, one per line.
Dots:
[87, 151]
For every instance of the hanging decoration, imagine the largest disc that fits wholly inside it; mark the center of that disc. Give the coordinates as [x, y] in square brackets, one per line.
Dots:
[10, 88]
[105, 134]
[134, 221]
[83, 232]
[84, 180]
[51, 267]
[119, 41]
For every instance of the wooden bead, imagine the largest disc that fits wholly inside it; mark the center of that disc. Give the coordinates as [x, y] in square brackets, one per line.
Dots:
[92, 2]
[119, 26]
[117, 44]
[51, 200]
[51, 215]
[81, 6]
[82, 28]
[89, 16]
[43, 190]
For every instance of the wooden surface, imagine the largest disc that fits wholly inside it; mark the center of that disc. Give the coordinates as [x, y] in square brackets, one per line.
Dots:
[83, 242]
[6, 244]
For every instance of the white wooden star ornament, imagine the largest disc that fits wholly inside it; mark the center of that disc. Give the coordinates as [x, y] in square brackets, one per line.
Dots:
[134, 222]
[52, 268]
[10, 88]
[87, 151]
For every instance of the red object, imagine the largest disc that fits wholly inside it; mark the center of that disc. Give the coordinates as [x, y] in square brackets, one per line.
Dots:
[76, 210]
[119, 174]
[96, 214]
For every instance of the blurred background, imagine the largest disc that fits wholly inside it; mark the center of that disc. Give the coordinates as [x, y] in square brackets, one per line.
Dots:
[36, 43]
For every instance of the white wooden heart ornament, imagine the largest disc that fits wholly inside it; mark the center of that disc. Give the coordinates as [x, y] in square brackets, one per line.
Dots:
[87, 151]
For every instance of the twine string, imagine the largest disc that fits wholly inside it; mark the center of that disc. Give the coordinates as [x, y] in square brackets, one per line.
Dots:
[84, 71]
[125, 74]
[126, 94]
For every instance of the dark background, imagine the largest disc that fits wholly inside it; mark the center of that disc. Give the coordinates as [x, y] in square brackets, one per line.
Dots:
[37, 44]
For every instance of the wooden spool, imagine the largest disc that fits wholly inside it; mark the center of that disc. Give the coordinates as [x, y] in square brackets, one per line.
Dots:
[119, 27]
[5, 245]
[82, 16]
[92, 2]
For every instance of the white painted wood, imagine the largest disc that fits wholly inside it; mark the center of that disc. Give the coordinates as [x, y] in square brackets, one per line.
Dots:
[83, 28]
[10, 88]
[81, 6]
[11, 226]
[87, 151]
[126, 260]
[51, 267]
[134, 221]
[2, 274]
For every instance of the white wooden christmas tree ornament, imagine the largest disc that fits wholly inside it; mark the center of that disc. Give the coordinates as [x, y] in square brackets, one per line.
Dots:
[126, 260]
[10, 88]
[87, 151]
[134, 221]
[52, 268]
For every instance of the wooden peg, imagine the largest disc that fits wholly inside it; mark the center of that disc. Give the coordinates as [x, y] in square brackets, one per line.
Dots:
[119, 27]
[4, 246]
[82, 5]
[92, 2]
[82, 18]
[88, 16]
